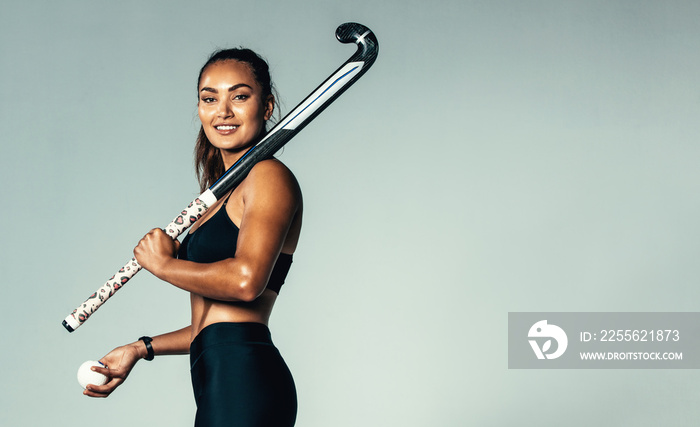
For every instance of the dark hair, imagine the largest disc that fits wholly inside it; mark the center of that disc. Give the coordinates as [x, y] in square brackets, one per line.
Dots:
[209, 166]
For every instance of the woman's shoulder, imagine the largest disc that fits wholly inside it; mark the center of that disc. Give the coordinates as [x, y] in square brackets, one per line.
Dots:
[271, 166]
[272, 170]
[272, 174]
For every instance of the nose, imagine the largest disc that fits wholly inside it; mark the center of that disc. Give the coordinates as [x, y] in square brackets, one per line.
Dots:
[224, 110]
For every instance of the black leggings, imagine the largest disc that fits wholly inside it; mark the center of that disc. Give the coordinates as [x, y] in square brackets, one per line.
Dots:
[240, 379]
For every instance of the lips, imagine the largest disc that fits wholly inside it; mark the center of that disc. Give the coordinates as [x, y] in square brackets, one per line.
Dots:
[225, 129]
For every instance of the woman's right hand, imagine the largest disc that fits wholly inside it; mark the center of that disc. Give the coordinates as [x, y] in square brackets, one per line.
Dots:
[118, 364]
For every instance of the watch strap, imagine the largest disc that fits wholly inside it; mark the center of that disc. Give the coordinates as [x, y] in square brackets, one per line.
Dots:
[149, 348]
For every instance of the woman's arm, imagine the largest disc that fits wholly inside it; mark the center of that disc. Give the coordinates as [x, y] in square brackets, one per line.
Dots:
[270, 197]
[120, 361]
[176, 342]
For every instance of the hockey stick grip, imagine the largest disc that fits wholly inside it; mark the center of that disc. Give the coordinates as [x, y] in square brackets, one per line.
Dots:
[182, 222]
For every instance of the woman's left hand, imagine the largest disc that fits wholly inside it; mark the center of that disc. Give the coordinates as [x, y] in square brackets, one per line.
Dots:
[155, 250]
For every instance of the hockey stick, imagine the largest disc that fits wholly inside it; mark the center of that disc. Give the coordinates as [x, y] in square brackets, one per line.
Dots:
[296, 120]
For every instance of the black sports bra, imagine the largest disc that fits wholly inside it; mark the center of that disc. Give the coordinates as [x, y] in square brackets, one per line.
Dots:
[215, 240]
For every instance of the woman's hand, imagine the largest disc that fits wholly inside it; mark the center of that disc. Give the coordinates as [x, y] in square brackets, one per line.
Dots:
[155, 250]
[119, 362]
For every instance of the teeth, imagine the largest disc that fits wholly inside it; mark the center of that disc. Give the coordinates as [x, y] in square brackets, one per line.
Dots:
[226, 127]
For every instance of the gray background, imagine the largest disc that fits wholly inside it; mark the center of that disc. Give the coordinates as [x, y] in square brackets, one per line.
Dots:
[500, 156]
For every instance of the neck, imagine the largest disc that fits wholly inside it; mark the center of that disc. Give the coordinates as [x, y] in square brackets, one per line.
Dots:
[230, 157]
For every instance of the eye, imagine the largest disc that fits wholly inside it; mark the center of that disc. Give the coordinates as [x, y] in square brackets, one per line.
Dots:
[208, 99]
[240, 97]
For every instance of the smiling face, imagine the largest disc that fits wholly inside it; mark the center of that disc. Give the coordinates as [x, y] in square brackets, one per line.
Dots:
[232, 108]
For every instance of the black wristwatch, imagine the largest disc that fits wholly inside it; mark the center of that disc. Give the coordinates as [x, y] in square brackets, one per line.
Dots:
[149, 348]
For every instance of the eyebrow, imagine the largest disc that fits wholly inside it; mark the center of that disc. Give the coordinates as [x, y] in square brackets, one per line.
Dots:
[231, 89]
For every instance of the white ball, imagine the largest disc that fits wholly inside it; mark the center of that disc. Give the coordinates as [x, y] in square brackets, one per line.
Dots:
[86, 376]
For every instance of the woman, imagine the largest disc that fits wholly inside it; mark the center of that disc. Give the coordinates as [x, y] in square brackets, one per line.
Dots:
[232, 262]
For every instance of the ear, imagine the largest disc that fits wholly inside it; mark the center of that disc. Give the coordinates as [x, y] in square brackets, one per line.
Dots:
[269, 106]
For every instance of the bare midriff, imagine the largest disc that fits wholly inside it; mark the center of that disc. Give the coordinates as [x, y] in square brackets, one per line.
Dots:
[207, 311]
